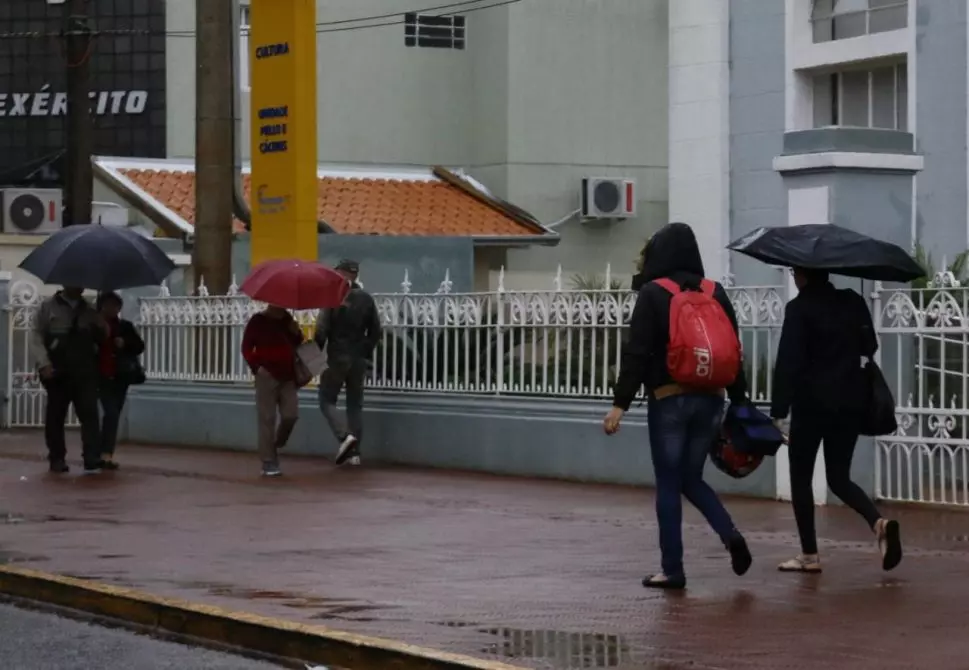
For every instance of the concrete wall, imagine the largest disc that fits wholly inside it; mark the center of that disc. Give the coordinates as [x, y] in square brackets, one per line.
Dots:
[383, 260]
[757, 193]
[941, 117]
[526, 437]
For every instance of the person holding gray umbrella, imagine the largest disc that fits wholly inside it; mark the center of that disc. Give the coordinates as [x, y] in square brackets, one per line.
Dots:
[64, 343]
[68, 331]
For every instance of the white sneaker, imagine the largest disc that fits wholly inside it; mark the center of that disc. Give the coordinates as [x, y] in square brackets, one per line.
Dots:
[354, 460]
[346, 446]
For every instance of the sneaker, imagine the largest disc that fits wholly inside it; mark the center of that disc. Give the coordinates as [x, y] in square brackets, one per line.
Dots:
[59, 467]
[109, 464]
[93, 468]
[346, 446]
[803, 563]
[354, 461]
[271, 470]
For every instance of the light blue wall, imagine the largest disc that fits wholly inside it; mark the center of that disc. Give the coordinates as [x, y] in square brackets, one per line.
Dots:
[941, 121]
[552, 438]
[383, 260]
[757, 194]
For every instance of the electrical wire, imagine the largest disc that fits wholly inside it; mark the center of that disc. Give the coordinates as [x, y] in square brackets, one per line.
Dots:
[321, 27]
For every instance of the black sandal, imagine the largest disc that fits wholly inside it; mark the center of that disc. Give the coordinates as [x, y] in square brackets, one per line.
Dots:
[661, 581]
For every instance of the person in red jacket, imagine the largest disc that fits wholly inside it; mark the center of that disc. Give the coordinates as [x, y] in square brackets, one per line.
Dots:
[269, 345]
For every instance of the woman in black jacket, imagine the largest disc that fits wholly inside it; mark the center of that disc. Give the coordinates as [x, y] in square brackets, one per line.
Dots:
[820, 381]
[683, 422]
[118, 367]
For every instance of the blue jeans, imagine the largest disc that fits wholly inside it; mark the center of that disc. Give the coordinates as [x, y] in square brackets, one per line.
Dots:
[681, 430]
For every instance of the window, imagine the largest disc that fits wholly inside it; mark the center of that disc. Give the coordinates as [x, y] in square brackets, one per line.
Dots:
[876, 98]
[438, 32]
[843, 19]
[245, 80]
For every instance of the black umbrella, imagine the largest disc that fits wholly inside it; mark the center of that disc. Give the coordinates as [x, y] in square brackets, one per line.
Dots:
[831, 248]
[101, 258]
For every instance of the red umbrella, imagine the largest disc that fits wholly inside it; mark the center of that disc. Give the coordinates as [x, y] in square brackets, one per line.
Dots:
[296, 284]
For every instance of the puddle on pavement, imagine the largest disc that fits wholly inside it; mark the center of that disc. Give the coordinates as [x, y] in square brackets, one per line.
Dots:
[559, 648]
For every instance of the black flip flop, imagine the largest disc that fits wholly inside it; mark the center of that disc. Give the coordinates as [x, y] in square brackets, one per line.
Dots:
[665, 583]
[893, 546]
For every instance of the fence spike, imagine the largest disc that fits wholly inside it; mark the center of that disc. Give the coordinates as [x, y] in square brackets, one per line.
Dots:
[501, 280]
[233, 287]
[202, 291]
[557, 282]
[405, 285]
[163, 291]
[608, 276]
[447, 284]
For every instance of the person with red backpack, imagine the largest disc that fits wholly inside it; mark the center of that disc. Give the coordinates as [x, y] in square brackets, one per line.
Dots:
[684, 347]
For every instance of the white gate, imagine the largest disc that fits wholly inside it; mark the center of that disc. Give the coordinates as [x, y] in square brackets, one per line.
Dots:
[26, 399]
[924, 335]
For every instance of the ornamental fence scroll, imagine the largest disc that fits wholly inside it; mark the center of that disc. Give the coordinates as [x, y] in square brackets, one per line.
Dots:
[561, 343]
[924, 336]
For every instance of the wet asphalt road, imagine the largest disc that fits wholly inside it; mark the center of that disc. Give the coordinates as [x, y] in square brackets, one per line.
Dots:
[40, 641]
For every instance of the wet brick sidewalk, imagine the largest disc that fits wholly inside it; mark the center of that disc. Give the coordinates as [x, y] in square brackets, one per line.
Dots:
[546, 574]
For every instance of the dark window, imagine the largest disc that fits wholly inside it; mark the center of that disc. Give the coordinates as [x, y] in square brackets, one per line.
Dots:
[435, 32]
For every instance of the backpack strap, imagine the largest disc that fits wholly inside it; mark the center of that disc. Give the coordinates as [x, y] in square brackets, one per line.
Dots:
[708, 286]
[668, 284]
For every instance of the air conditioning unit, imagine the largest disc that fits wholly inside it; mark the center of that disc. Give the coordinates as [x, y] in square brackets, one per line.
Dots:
[608, 198]
[31, 211]
[109, 214]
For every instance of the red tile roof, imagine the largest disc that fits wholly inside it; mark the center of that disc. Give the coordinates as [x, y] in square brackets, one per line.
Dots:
[368, 206]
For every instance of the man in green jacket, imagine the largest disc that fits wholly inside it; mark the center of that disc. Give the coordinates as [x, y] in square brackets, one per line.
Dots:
[64, 344]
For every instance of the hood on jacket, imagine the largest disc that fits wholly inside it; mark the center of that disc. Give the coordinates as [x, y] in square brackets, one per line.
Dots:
[672, 250]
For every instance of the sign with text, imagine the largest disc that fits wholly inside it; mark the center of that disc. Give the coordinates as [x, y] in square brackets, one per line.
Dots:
[282, 65]
[127, 97]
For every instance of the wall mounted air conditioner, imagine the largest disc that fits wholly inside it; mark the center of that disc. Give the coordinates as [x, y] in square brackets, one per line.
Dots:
[608, 198]
[109, 214]
[31, 211]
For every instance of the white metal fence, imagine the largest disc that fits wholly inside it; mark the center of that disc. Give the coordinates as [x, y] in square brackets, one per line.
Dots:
[924, 335]
[561, 342]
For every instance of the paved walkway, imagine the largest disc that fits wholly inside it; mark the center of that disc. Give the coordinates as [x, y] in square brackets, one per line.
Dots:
[541, 572]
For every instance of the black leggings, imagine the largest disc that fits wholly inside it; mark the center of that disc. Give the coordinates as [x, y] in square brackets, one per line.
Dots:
[839, 438]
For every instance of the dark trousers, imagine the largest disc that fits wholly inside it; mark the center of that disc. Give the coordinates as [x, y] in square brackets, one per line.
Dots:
[82, 393]
[839, 434]
[352, 373]
[112, 394]
[682, 429]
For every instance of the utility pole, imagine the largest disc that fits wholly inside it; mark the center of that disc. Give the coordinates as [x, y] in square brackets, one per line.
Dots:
[215, 39]
[79, 182]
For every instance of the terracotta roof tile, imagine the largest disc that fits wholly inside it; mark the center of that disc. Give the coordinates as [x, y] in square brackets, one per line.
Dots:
[361, 206]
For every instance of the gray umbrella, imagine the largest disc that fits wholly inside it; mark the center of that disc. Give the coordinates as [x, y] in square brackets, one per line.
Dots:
[100, 258]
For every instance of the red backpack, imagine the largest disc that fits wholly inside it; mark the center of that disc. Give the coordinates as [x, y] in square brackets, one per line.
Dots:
[704, 351]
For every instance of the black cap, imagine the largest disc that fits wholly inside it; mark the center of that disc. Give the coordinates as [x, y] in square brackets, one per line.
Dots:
[347, 265]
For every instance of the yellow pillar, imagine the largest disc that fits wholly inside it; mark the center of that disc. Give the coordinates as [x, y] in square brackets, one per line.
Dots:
[283, 195]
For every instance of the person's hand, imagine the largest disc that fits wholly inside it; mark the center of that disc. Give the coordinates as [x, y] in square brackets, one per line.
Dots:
[611, 423]
[783, 426]
[119, 342]
[46, 372]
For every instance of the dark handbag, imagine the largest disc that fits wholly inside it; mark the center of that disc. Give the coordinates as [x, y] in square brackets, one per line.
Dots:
[879, 414]
[751, 431]
[129, 370]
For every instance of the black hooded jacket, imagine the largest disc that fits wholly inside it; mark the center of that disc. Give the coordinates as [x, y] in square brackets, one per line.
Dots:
[672, 252]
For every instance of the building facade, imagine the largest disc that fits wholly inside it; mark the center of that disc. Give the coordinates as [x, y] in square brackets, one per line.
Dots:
[830, 111]
[528, 97]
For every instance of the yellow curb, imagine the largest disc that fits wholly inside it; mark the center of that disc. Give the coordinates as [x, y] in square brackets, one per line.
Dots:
[277, 637]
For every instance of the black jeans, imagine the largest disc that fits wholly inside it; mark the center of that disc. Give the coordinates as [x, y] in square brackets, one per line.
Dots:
[112, 394]
[839, 433]
[62, 392]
